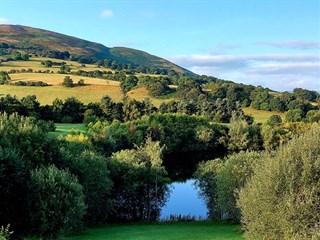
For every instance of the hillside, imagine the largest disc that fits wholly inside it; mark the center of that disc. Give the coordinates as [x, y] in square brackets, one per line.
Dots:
[32, 38]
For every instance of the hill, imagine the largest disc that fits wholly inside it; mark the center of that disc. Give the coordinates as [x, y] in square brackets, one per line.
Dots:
[34, 39]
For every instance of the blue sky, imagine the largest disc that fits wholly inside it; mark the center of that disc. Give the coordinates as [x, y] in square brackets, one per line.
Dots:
[273, 43]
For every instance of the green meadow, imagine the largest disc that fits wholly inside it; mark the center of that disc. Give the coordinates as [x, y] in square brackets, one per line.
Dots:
[67, 128]
[166, 231]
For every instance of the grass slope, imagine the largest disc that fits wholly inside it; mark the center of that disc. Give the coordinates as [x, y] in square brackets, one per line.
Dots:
[46, 95]
[30, 38]
[171, 231]
[94, 90]
[261, 116]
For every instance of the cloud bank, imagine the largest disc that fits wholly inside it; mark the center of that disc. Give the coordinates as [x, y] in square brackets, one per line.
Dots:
[282, 72]
[4, 21]
[107, 13]
[300, 45]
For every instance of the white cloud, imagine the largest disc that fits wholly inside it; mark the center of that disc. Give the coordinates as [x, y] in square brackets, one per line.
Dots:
[276, 71]
[4, 21]
[295, 44]
[107, 13]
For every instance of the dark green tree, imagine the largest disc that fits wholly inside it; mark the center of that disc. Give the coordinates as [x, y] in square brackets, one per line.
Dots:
[67, 82]
[57, 202]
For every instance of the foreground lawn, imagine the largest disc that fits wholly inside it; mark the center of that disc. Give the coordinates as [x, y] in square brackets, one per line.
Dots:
[170, 231]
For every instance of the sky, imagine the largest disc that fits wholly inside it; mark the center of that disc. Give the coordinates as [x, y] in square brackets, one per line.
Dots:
[272, 43]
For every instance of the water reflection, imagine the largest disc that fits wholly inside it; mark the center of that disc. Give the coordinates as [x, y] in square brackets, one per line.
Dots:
[184, 201]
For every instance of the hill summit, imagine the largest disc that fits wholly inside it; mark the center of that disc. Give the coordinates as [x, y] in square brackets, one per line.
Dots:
[33, 38]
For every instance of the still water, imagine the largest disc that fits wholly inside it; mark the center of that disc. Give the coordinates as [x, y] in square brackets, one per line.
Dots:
[184, 200]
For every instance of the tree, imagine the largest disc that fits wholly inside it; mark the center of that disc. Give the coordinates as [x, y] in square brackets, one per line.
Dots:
[57, 202]
[294, 115]
[47, 63]
[81, 82]
[128, 83]
[64, 69]
[238, 132]
[4, 77]
[313, 116]
[30, 105]
[14, 181]
[29, 138]
[140, 182]
[72, 110]
[206, 181]
[305, 94]
[219, 180]
[67, 82]
[281, 200]
[92, 173]
[274, 120]
[57, 110]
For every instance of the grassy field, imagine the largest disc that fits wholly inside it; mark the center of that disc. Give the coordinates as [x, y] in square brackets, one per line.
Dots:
[142, 93]
[170, 231]
[35, 64]
[94, 90]
[46, 95]
[261, 116]
[63, 129]
[68, 127]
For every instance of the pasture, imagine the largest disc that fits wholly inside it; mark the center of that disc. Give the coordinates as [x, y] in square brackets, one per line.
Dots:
[261, 116]
[35, 64]
[93, 91]
[166, 231]
[46, 95]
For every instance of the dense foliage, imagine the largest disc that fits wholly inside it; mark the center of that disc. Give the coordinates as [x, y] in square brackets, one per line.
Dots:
[220, 179]
[120, 169]
[56, 202]
[51, 187]
[281, 200]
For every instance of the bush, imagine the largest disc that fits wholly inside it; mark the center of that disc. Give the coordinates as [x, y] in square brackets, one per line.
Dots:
[5, 233]
[281, 200]
[57, 202]
[67, 82]
[13, 190]
[219, 181]
[91, 170]
[140, 183]
[29, 138]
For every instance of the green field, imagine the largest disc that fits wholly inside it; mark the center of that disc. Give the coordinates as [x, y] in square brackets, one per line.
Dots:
[261, 116]
[93, 91]
[169, 231]
[66, 128]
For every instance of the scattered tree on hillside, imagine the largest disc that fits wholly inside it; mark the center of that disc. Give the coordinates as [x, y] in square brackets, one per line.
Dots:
[67, 82]
[4, 77]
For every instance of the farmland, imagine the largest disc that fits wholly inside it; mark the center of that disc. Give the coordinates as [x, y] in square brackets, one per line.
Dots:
[93, 90]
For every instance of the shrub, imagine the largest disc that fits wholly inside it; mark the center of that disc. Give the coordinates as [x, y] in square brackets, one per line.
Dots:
[57, 202]
[5, 233]
[67, 82]
[219, 181]
[281, 200]
[91, 170]
[13, 190]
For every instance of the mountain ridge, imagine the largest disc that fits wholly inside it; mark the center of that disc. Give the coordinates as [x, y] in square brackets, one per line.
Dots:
[30, 38]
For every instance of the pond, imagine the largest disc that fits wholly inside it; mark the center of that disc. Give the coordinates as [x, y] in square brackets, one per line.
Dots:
[184, 201]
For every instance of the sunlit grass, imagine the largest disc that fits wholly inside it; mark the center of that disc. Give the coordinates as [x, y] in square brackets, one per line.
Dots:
[261, 116]
[170, 231]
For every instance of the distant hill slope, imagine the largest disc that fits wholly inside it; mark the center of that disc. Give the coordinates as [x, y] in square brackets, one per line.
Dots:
[28, 37]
